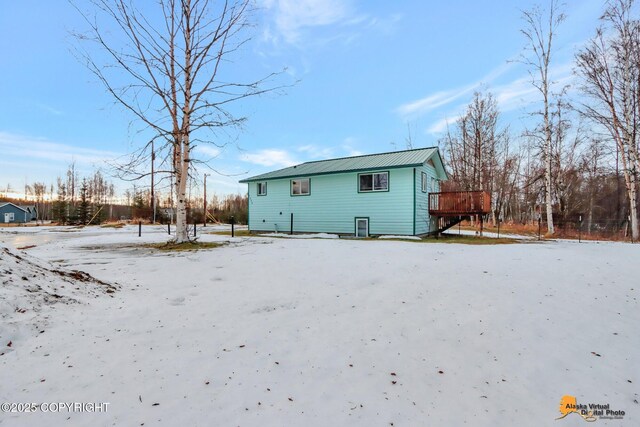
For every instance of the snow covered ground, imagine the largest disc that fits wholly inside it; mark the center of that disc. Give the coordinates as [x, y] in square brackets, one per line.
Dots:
[286, 332]
[454, 231]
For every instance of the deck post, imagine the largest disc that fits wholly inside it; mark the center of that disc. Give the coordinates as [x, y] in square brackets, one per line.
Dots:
[539, 225]
[481, 224]
[233, 223]
[580, 229]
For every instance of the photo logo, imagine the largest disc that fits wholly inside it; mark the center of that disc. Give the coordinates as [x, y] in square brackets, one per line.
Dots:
[590, 412]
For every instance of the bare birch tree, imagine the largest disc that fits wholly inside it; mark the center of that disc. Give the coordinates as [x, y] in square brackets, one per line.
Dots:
[592, 161]
[173, 58]
[478, 152]
[539, 31]
[610, 72]
[565, 157]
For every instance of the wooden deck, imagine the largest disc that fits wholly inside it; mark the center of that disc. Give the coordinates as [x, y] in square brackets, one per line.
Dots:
[459, 203]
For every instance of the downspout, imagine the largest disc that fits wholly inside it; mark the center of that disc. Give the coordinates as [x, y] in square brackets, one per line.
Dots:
[248, 208]
[414, 201]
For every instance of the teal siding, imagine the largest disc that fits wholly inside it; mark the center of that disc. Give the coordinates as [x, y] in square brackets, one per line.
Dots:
[424, 223]
[333, 204]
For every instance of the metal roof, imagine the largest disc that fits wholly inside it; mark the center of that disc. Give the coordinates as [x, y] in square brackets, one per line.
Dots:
[393, 159]
[3, 204]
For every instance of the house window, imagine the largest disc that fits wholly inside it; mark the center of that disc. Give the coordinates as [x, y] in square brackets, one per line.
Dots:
[373, 182]
[434, 185]
[262, 189]
[424, 182]
[300, 187]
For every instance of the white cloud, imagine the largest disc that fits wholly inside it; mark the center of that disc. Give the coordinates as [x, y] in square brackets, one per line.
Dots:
[514, 94]
[19, 146]
[433, 101]
[316, 152]
[348, 146]
[518, 93]
[386, 25]
[274, 157]
[439, 126]
[49, 109]
[208, 150]
[293, 16]
[352, 152]
[446, 97]
[298, 22]
[269, 157]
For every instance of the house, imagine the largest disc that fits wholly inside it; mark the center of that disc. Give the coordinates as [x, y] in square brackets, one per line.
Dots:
[10, 213]
[32, 211]
[377, 194]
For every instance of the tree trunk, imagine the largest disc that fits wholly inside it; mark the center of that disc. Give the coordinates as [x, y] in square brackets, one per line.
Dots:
[632, 189]
[631, 184]
[182, 176]
[547, 169]
[590, 213]
[635, 231]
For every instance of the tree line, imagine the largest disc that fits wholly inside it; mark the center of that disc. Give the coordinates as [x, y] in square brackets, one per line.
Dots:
[577, 165]
[92, 199]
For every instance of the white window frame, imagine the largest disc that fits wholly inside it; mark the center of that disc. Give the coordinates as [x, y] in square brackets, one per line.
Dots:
[373, 182]
[424, 181]
[10, 216]
[366, 231]
[261, 186]
[297, 183]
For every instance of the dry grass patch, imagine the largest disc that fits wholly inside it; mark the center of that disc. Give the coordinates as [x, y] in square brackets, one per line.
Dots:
[237, 233]
[470, 240]
[113, 225]
[186, 246]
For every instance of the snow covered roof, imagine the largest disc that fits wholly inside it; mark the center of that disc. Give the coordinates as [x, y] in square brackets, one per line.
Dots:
[406, 158]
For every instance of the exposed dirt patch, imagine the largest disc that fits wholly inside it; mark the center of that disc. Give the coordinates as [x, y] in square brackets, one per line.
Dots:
[30, 288]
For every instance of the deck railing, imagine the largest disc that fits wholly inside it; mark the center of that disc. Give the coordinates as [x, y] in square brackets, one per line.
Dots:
[459, 203]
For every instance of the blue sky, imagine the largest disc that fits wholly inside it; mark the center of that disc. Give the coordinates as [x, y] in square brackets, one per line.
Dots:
[367, 72]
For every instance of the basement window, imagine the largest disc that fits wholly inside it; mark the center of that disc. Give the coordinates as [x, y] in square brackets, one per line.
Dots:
[262, 189]
[300, 187]
[373, 182]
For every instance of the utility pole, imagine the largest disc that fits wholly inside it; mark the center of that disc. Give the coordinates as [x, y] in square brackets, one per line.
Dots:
[153, 195]
[205, 198]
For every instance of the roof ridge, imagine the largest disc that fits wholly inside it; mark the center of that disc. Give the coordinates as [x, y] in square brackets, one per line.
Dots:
[11, 203]
[365, 155]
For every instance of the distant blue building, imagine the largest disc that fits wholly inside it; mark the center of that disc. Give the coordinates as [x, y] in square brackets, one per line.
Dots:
[10, 213]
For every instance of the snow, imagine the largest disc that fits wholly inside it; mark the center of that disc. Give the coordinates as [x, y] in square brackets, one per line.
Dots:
[455, 231]
[32, 290]
[272, 332]
[399, 237]
[302, 236]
